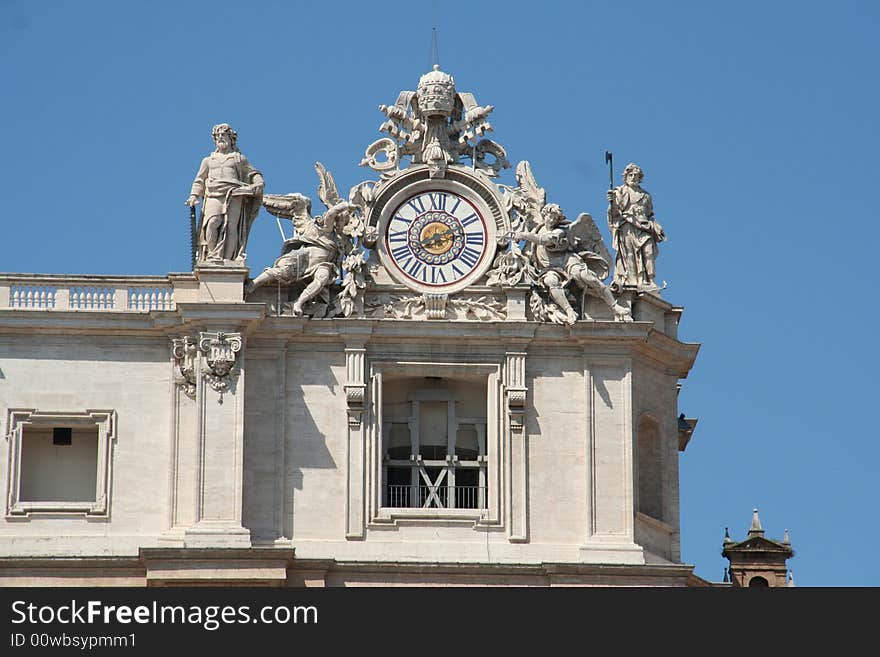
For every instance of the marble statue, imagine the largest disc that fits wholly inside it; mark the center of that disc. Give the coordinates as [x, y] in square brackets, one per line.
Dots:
[232, 190]
[561, 252]
[635, 233]
[321, 246]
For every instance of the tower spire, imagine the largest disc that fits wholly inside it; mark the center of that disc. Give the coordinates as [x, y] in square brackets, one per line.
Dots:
[435, 50]
[756, 529]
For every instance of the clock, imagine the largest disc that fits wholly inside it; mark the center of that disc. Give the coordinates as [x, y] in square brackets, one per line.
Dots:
[437, 236]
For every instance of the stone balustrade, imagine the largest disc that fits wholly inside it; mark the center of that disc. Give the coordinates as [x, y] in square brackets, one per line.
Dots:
[90, 293]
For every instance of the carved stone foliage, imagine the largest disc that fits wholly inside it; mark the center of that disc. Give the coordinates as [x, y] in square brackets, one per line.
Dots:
[435, 306]
[542, 309]
[185, 351]
[512, 268]
[220, 351]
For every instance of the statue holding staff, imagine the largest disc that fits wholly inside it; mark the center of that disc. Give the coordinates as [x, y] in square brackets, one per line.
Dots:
[232, 190]
[635, 233]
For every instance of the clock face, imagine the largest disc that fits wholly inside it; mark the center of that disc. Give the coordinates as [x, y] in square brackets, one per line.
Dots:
[437, 239]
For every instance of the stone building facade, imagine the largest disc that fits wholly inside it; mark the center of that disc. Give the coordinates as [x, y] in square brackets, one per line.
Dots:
[431, 385]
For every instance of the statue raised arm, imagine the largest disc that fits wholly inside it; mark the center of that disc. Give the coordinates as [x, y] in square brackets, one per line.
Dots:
[566, 252]
[313, 253]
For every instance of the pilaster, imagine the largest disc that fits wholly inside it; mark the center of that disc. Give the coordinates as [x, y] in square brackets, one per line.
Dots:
[609, 447]
[515, 402]
[355, 393]
[219, 438]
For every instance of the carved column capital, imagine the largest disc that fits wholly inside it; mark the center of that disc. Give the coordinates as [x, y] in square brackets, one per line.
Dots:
[184, 352]
[220, 351]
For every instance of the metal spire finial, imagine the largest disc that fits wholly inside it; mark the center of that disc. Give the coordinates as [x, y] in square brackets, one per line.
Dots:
[435, 50]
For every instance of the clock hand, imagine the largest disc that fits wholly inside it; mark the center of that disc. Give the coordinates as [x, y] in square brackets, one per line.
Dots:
[436, 237]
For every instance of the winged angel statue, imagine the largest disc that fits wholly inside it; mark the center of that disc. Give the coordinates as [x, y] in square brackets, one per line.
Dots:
[322, 248]
[556, 253]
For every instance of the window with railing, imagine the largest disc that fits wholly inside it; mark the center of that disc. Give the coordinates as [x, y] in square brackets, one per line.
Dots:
[434, 445]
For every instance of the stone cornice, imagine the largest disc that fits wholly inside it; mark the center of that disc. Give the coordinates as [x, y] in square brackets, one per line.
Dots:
[84, 321]
[641, 338]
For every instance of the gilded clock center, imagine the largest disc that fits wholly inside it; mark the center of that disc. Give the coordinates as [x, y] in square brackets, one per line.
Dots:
[436, 238]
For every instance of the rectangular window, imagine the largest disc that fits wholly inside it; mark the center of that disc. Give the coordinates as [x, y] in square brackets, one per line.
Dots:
[435, 450]
[59, 466]
[436, 437]
[59, 462]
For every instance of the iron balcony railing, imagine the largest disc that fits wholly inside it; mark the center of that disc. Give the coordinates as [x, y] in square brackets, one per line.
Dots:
[435, 497]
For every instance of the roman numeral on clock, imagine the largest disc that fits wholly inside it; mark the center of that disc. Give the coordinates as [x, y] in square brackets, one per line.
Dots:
[469, 256]
[415, 267]
[474, 238]
[468, 220]
[438, 200]
[401, 251]
[416, 204]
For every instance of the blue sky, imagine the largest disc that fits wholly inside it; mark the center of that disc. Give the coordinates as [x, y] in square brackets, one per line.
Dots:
[755, 123]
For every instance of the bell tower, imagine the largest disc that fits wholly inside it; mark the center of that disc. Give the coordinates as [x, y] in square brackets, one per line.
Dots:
[758, 561]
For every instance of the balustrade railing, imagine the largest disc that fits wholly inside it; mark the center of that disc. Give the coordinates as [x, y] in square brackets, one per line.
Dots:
[32, 296]
[150, 298]
[84, 297]
[98, 293]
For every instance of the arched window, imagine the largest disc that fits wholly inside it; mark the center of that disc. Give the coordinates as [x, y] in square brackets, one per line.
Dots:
[758, 582]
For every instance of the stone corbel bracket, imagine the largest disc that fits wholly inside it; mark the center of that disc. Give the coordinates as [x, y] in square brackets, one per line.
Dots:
[220, 350]
[515, 376]
[185, 352]
[435, 305]
[355, 386]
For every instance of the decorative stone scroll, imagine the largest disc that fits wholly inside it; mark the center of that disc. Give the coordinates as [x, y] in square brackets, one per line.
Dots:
[185, 351]
[355, 385]
[220, 351]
